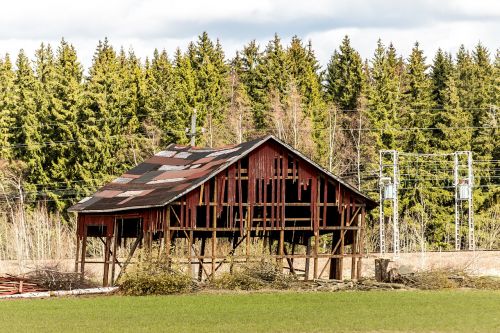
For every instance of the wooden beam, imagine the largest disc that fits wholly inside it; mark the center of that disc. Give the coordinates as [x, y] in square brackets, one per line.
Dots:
[361, 243]
[115, 246]
[105, 274]
[166, 232]
[289, 261]
[77, 251]
[214, 226]
[130, 255]
[84, 253]
[307, 261]
[202, 253]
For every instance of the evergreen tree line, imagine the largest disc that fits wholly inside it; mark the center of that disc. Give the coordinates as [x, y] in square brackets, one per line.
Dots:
[70, 131]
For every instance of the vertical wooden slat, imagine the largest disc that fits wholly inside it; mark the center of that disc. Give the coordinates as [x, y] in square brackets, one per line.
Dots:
[167, 234]
[214, 225]
[325, 201]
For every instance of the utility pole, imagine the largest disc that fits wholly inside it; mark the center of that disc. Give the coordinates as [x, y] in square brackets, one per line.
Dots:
[463, 178]
[388, 191]
[192, 133]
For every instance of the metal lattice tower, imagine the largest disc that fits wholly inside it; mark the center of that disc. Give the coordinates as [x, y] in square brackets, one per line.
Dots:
[463, 182]
[388, 191]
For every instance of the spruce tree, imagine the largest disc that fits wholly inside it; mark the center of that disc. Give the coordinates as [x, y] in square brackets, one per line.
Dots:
[419, 200]
[344, 77]
[130, 98]
[7, 100]
[383, 94]
[417, 110]
[44, 67]
[211, 81]
[465, 77]
[274, 74]
[485, 120]
[452, 121]
[28, 138]
[253, 82]
[307, 84]
[62, 130]
[442, 68]
[100, 137]
[160, 99]
[239, 126]
[185, 92]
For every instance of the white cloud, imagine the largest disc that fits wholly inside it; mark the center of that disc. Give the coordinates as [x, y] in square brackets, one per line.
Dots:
[147, 24]
[447, 36]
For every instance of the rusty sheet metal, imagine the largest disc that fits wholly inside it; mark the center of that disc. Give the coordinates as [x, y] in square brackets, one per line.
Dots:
[177, 170]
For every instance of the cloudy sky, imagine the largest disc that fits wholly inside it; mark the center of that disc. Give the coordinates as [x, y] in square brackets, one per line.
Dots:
[148, 24]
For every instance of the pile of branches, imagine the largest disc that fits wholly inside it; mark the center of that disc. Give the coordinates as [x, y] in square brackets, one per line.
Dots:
[445, 279]
[52, 277]
[261, 275]
[342, 285]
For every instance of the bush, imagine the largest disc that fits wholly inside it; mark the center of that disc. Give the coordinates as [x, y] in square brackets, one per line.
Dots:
[155, 277]
[145, 283]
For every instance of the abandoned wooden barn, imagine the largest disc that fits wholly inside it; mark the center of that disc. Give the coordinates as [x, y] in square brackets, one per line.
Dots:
[199, 198]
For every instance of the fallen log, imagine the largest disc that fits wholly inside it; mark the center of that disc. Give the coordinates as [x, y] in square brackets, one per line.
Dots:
[74, 292]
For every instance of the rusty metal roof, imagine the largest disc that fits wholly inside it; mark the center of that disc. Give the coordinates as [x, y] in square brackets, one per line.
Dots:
[173, 172]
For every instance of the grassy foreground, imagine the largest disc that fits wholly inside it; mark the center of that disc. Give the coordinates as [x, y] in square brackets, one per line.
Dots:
[437, 311]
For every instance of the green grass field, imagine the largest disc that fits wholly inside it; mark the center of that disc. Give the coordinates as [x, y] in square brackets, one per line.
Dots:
[442, 311]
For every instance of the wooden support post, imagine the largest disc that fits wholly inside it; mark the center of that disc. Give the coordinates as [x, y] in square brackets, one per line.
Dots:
[235, 244]
[77, 256]
[281, 249]
[115, 247]
[353, 252]
[264, 242]
[340, 271]
[361, 243]
[316, 247]
[84, 253]
[202, 253]
[336, 264]
[191, 244]
[308, 260]
[214, 227]
[248, 229]
[105, 274]
[316, 229]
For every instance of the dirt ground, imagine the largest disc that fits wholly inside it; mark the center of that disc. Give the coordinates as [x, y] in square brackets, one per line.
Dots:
[478, 262]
